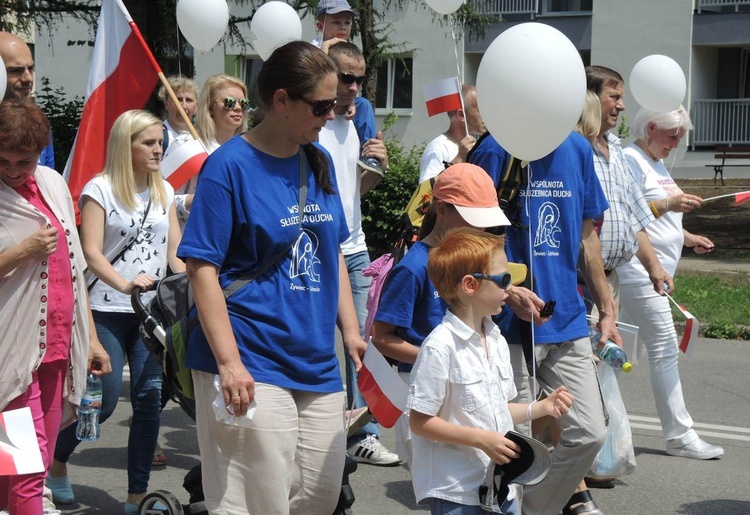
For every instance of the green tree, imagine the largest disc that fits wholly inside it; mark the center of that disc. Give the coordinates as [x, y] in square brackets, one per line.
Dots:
[64, 116]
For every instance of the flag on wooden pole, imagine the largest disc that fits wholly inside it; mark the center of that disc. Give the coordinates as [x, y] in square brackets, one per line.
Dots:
[122, 76]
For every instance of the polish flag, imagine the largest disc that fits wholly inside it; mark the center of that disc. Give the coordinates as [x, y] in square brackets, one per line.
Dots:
[383, 390]
[741, 198]
[122, 76]
[443, 96]
[180, 164]
[19, 448]
[687, 343]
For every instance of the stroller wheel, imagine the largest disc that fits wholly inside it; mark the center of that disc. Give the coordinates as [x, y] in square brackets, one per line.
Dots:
[160, 502]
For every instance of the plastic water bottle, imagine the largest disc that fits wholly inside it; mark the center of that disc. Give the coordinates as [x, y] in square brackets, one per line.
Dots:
[610, 353]
[87, 429]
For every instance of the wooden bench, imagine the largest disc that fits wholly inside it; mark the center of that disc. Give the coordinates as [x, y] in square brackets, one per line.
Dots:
[725, 153]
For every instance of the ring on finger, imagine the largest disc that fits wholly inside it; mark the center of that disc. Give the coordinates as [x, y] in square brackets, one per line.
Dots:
[235, 394]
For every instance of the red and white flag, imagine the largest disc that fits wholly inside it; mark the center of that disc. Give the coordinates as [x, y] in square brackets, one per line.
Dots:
[180, 164]
[739, 198]
[19, 448]
[443, 96]
[381, 387]
[122, 76]
[687, 343]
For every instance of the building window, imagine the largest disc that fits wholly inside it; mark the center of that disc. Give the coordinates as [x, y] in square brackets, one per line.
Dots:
[566, 6]
[250, 75]
[394, 86]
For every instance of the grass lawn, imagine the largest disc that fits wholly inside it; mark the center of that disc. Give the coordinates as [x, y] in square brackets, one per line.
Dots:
[720, 302]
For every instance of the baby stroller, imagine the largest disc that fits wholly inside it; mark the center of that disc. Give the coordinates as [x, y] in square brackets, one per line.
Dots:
[154, 325]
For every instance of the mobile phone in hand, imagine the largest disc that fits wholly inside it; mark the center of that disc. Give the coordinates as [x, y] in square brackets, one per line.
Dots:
[548, 309]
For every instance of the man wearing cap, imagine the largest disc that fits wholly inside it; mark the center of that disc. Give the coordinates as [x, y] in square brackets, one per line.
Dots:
[553, 225]
[452, 146]
[19, 67]
[339, 137]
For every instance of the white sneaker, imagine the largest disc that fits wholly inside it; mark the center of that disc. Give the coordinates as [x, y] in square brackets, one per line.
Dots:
[698, 450]
[371, 451]
[51, 512]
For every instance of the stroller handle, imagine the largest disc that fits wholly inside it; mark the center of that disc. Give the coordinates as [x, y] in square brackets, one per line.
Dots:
[149, 323]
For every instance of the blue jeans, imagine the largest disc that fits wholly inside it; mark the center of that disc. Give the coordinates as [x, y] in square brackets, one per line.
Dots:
[355, 263]
[118, 333]
[443, 507]
[364, 120]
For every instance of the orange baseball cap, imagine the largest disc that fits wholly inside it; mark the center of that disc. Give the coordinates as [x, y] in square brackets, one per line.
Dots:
[472, 192]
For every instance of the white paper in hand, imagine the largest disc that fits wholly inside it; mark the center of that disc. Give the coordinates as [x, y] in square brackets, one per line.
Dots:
[226, 414]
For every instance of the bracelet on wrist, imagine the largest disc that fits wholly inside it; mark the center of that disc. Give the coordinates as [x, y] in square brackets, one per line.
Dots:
[528, 410]
[654, 209]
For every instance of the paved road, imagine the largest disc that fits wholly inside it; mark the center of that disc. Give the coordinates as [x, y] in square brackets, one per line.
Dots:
[718, 397]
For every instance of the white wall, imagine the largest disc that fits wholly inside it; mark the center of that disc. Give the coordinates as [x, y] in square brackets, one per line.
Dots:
[65, 66]
[705, 63]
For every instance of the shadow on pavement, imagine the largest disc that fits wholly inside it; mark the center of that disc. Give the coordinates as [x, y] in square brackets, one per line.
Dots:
[715, 506]
[403, 492]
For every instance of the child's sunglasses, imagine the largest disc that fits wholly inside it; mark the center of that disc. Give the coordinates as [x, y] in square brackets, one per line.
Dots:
[230, 102]
[348, 78]
[502, 280]
[319, 107]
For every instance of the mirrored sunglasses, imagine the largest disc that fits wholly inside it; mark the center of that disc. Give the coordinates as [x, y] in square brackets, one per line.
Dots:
[502, 280]
[319, 107]
[348, 78]
[230, 102]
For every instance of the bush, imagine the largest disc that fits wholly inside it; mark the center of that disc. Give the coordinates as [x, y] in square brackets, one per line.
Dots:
[64, 116]
[383, 206]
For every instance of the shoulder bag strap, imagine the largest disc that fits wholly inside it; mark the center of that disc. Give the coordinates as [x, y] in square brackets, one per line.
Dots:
[243, 280]
[129, 245]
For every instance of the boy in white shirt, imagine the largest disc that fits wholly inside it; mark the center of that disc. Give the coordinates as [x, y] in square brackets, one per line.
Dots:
[462, 379]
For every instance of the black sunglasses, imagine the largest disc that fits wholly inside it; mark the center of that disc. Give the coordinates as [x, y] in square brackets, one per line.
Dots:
[502, 280]
[348, 78]
[319, 107]
[230, 102]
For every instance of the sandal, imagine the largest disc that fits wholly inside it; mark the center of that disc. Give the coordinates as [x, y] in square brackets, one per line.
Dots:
[599, 482]
[582, 504]
[159, 457]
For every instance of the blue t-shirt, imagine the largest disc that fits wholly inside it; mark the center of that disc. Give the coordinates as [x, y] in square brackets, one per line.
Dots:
[564, 191]
[244, 212]
[409, 300]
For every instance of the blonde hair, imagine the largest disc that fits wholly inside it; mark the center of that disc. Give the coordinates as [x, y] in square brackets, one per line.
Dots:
[119, 163]
[178, 83]
[204, 124]
[462, 252]
[590, 122]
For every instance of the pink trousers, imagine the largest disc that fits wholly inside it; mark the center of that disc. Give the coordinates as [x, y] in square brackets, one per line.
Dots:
[22, 495]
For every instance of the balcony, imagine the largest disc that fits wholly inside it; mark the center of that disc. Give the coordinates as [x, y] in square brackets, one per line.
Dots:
[721, 122]
[722, 5]
[506, 7]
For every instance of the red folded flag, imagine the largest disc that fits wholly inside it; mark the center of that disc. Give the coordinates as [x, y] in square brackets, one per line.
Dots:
[687, 343]
[383, 390]
[182, 162]
[122, 76]
[741, 197]
[443, 96]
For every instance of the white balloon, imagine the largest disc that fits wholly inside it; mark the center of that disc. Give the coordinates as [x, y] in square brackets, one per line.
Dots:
[658, 83]
[273, 25]
[531, 85]
[3, 78]
[203, 22]
[445, 6]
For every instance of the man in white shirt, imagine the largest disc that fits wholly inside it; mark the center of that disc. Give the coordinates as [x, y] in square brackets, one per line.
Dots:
[186, 92]
[453, 145]
[339, 137]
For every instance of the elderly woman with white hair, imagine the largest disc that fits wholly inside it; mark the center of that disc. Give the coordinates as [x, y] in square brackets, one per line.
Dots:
[656, 135]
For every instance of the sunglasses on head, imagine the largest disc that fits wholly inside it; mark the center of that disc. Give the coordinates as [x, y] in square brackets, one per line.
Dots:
[348, 78]
[502, 280]
[319, 107]
[230, 102]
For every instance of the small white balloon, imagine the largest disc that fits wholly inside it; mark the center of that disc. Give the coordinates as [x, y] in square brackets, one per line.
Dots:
[531, 85]
[203, 22]
[3, 78]
[273, 25]
[658, 83]
[445, 6]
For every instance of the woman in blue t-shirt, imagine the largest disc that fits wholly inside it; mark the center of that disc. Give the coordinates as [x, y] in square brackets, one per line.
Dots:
[267, 352]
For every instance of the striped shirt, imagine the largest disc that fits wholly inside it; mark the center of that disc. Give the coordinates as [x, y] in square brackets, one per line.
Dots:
[628, 211]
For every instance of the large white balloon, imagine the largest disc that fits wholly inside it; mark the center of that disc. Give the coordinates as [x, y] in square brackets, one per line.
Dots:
[658, 83]
[445, 6]
[3, 78]
[274, 24]
[531, 85]
[203, 22]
